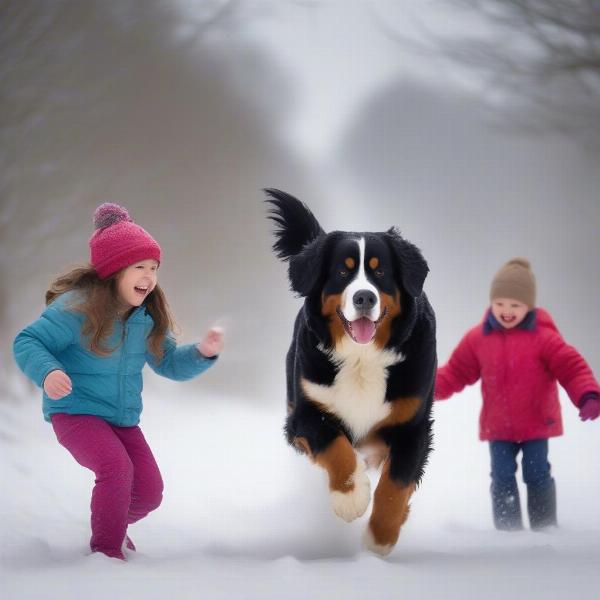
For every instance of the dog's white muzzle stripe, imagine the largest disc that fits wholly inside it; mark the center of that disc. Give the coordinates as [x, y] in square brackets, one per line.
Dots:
[360, 282]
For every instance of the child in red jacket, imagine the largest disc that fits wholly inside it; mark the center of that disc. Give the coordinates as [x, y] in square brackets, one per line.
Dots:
[519, 354]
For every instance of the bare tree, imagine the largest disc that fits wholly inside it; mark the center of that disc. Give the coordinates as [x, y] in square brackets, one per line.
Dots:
[541, 57]
[177, 114]
[51, 66]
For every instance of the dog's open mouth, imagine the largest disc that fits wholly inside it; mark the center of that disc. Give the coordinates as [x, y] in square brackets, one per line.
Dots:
[362, 330]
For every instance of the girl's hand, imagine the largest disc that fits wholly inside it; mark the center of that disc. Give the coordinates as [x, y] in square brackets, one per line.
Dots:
[57, 385]
[212, 344]
[589, 409]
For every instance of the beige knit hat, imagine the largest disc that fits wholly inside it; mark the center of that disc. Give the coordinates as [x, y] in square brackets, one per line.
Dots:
[515, 280]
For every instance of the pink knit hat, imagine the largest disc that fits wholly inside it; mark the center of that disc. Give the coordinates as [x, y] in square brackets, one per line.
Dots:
[118, 242]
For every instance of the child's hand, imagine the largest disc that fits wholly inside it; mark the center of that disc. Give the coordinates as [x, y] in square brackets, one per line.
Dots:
[212, 344]
[57, 385]
[590, 409]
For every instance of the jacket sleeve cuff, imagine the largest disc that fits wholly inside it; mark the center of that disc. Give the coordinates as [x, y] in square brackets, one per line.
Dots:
[588, 396]
[203, 357]
[196, 362]
[45, 371]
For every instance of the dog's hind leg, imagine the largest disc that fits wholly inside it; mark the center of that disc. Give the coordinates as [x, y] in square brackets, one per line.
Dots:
[410, 445]
[390, 511]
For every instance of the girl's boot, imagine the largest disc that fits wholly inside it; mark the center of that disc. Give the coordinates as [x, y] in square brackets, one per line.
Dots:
[541, 505]
[506, 506]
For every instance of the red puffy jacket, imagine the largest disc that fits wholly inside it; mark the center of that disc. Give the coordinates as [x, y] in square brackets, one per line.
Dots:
[518, 370]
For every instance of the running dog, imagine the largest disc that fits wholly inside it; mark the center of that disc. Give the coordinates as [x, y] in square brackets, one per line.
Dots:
[361, 365]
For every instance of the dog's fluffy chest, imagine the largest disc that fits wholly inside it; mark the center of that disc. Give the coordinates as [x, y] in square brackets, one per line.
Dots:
[357, 394]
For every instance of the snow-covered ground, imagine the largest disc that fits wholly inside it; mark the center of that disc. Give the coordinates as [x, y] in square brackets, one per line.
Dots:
[245, 517]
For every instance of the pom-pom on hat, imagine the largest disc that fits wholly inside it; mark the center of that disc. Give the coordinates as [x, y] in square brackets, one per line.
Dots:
[515, 280]
[118, 242]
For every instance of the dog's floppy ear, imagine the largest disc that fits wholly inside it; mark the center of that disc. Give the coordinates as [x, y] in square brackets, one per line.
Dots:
[297, 226]
[305, 268]
[409, 261]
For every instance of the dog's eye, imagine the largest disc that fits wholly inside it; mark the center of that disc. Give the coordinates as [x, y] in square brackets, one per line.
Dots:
[343, 273]
[379, 273]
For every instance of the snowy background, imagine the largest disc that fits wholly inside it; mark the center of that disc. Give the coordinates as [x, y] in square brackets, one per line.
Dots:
[183, 111]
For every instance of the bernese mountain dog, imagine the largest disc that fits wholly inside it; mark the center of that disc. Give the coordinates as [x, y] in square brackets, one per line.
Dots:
[362, 362]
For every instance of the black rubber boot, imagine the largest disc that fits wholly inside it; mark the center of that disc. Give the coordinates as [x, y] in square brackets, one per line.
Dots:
[506, 507]
[541, 505]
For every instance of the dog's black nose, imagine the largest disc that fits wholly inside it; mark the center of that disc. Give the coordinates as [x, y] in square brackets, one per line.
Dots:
[364, 300]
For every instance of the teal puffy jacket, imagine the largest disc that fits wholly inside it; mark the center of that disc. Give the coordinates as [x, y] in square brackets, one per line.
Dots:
[106, 386]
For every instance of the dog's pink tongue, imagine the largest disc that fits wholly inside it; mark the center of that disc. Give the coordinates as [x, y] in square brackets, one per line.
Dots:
[363, 330]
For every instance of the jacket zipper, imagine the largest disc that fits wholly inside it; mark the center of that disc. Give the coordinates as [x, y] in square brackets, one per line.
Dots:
[122, 376]
[505, 381]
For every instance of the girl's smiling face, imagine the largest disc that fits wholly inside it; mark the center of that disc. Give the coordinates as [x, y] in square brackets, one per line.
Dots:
[135, 282]
[509, 312]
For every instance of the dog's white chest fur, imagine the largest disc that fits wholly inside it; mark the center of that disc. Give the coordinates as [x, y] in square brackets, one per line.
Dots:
[357, 395]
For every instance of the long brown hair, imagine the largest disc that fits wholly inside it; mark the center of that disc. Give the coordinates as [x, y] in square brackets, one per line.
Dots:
[99, 304]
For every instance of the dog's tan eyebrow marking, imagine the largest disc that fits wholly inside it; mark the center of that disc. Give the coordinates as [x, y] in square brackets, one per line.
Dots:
[350, 263]
[374, 262]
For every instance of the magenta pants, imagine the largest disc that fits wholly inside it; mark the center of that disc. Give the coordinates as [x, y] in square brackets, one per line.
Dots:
[128, 482]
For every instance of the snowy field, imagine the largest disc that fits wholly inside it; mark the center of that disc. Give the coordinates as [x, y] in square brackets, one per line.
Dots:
[245, 517]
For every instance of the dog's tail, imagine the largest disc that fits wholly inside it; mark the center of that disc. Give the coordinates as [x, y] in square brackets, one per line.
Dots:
[297, 226]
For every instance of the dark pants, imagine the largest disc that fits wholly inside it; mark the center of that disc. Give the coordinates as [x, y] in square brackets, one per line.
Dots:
[535, 465]
[541, 494]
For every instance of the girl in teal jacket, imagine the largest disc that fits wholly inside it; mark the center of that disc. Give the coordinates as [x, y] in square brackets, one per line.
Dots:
[103, 323]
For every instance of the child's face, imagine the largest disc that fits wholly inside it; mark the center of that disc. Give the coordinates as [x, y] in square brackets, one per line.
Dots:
[509, 312]
[135, 282]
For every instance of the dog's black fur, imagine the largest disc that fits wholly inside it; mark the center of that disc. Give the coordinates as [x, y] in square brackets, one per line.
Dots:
[394, 271]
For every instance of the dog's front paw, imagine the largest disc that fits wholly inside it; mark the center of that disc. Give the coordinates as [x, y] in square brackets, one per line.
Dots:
[353, 504]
